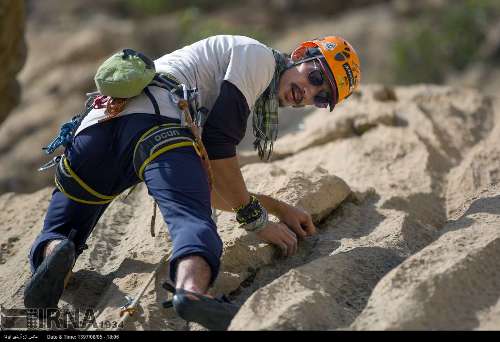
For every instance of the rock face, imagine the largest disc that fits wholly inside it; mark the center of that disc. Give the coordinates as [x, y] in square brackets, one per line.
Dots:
[317, 192]
[323, 294]
[476, 171]
[400, 184]
[454, 283]
[12, 53]
[396, 149]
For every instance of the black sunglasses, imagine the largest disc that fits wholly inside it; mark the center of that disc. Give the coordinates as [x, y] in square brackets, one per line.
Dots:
[315, 77]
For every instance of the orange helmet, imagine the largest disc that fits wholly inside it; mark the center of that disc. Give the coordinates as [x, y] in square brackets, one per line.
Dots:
[339, 61]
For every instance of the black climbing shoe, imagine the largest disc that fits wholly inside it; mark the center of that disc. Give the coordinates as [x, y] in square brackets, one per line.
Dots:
[212, 313]
[46, 285]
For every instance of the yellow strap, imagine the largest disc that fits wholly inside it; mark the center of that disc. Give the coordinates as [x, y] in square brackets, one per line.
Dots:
[160, 151]
[197, 149]
[59, 186]
[84, 185]
[130, 311]
[151, 130]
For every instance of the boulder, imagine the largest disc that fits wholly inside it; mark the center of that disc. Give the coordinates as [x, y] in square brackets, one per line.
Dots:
[316, 192]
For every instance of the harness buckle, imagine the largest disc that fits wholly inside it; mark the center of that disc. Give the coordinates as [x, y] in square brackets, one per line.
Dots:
[187, 99]
[51, 163]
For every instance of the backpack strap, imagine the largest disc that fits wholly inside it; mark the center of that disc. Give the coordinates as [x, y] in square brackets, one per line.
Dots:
[153, 100]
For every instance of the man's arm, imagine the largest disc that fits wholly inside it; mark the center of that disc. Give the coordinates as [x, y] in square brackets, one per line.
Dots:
[229, 187]
[221, 133]
[230, 192]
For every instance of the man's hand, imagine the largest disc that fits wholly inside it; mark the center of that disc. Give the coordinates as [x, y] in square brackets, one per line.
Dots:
[278, 234]
[298, 220]
[230, 192]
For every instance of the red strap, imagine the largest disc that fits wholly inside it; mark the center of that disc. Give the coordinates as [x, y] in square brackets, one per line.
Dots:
[101, 102]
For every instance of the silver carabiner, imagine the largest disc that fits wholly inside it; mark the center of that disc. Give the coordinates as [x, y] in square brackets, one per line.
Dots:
[51, 163]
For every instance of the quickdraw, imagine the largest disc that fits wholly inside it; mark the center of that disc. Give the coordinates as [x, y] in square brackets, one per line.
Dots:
[127, 308]
[183, 105]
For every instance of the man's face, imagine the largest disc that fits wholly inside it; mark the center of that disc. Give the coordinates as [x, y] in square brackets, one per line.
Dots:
[295, 88]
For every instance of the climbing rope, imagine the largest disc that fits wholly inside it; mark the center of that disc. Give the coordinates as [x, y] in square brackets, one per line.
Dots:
[69, 128]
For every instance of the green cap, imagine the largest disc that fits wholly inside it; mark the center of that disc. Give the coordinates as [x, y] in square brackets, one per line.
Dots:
[125, 74]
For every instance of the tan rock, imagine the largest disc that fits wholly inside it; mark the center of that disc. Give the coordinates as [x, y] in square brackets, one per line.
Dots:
[402, 172]
[452, 284]
[477, 170]
[324, 294]
[316, 192]
[122, 253]
[405, 156]
[352, 118]
[12, 53]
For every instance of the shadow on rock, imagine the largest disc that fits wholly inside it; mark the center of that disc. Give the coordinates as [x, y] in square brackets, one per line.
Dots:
[327, 293]
[487, 205]
[426, 214]
[355, 218]
[85, 288]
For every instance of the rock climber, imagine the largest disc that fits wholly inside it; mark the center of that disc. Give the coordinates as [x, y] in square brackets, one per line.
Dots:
[234, 76]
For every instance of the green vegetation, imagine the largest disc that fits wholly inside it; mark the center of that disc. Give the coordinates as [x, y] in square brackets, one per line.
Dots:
[154, 7]
[194, 25]
[147, 7]
[195, 18]
[443, 40]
